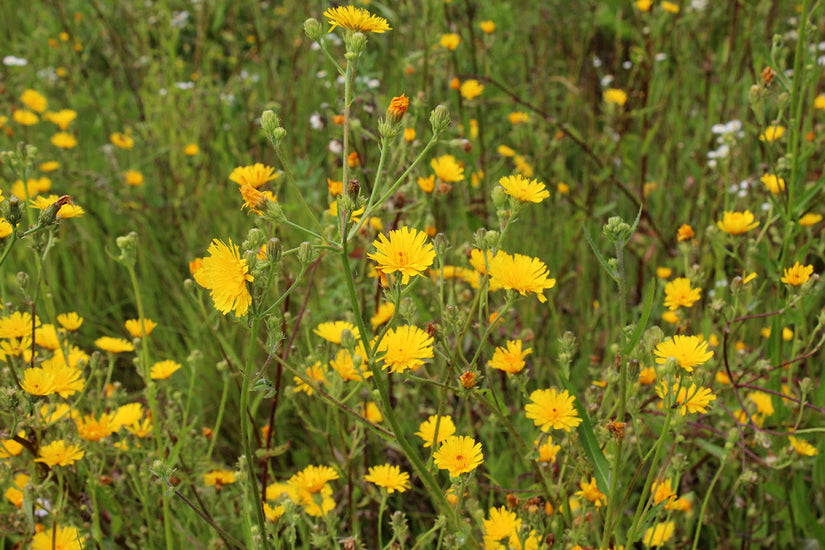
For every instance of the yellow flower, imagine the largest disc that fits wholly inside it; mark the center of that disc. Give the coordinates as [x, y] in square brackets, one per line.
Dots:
[459, 455]
[450, 41]
[797, 275]
[505, 151]
[684, 233]
[272, 513]
[133, 177]
[32, 187]
[256, 200]
[114, 345]
[405, 348]
[397, 109]
[518, 117]
[663, 272]
[344, 364]
[470, 89]
[426, 430]
[615, 96]
[355, 19]
[315, 373]
[447, 169]
[70, 321]
[384, 314]
[10, 447]
[553, 409]
[312, 480]
[335, 188]
[371, 412]
[670, 7]
[660, 533]
[57, 453]
[226, 275]
[18, 325]
[123, 141]
[520, 273]
[254, 175]
[502, 524]
[523, 167]
[63, 140]
[819, 102]
[92, 429]
[736, 223]
[810, 219]
[427, 184]
[218, 478]
[24, 117]
[510, 360]
[37, 381]
[772, 133]
[389, 477]
[763, 401]
[49, 166]
[34, 100]
[409, 135]
[67, 380]
[141, 428]
[406, 251]
[135, 329]
[647, 376]
[191, 149]
[61, 118]
[331, 331]
[693, 399]
[548, 451]
[66, 538]
[162, 370]
[644, 5]
[678, 293]
[524, 189]
[773, 183]
[689, 351]
[591, 492]
[487, 27]
[802, 447]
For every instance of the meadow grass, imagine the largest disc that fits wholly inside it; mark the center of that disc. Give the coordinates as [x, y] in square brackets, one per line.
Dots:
[650, 169]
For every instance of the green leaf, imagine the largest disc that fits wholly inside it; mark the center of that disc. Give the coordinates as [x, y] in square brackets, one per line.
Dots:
[599, 256]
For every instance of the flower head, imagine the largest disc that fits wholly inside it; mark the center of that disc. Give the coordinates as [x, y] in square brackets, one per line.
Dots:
[406, 251]
[331, 331]
[449, 41]
[503, 524]
[678, 293]
[164, 369]
[355, 19]
[57, 453]
[398, 108]
[37, 381]
[344, 364]
[384, 314]
[470, 89]
[693, 399]
[66, 538]
[315, 373]
[191, 149]
[615, 96]
[312, 479]
[802, 447]
[63, 140]
[553, 409]
[123, 141]
[797, 275]
[218, 478]
[255, 200]
[684, 233]
[34, 100]
[389, 477]
[405, 348]
[487, 27]
[447, 169]
[810, 219]
[459, 455]
[659, 534]
[511, 359]
[61, 118]
[689, 351]
[17, 325]
[138, 327]
[92, 429]
[736, 223]
[226, 275]
[520, 273]
[772, 133]
[70, 321]
[254, 175]
[114, 345]
[426, 430]
[773, 183]
[523, 189]
[591, 492]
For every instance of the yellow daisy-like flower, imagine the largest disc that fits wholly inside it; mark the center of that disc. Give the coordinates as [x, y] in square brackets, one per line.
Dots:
[647, 376]
[553, 409]
[772, 133]
[67, 380]
[517, 117]
[502, 524]
[660, 533]
[678, 293]
[312, 479]
[314, 372]
[218, 478]
[405, 348]
[426, 431]
[63, 140]
[384, 314]
[255, 200]
[689, 351]
[335, 188]
[736, 223]
[773, 183]
[5, 228]
[34, 100]
[92, 429]
[802, 447]
[389, 477]
[191, 149]
[66, 538]
[114, 345]
[487, 27]
[406, 251]
[70, 321]
[33, 187]
[18, 325]
[685, 233]
[343, 363]
[133, 177]
[470, 89]
[121, 140]
[763, 401]
[505, 151]
[226, 275]
[449, 41]
[797, 275]
[447, 169]
[427, 184]
[548, 451]
[164, 369]
[272, 513]
[511, 359]
[591, 492]
[57, 453]
[331, 331]
[37, 381]
[810, 219]
[459, 454]
[24, 117]
[371, 412]
[615, 96]
[520, 273]
[134, 327]
[355, 19]
[692, 399]
[523, 189]
[61, 118]
[10, 447]
[819, 102]
[670, 7]
[254, 175]
[644, 5]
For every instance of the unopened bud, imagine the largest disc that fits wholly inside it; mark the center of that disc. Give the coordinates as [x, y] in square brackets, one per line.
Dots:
[499, 197]
[305, 253]
[128, 248]
[313, 29]
[356, 43]
[15, 214]
[274, 250]
[439, 119]
[467, 379]
[440, 244]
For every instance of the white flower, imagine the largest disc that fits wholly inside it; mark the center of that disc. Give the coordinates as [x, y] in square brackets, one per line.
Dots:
[12, 61]
[316, 121]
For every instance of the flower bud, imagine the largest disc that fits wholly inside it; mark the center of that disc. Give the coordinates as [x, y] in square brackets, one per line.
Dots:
[313, 29]
[274, 250]
[15, 214]
[128, 248]
[305, 253]
[440, 244]
[356, 43]
[439, 119]
[397, 109]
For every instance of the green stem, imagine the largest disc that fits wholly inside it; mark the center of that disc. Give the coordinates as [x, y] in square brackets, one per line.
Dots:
[706, 500]
[796, 105]
[291, 179]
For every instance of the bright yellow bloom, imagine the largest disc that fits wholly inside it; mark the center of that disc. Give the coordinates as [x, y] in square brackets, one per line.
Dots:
[647, 376]
[591, 492]
[331, 331]
[18, 325]
[218, 478]
[406, 251]
[689, 351]
[450, 41]
[255, 200]
[164, 369]
[191, 149]
[61, 118]
[10, 447]
[226, 275]
[487, 27]
[670, 7]
[371, 412]
[615, 96]
[427, 184]
[355, 19]
[505, 151]
[133, 177]
[67, 538]
[92, 429]
[70, 321]
[311, 481]
[663, 272]
[409, 135]
[510, 360]
[447, 169]
[426, 431]
[66, 380]
[24, 117]
[520, 273]
[405, 348]
[693, 399]
[114, 345]
[37, 381]
[763, 401]
[123, 141]
[344, 364]
[772, 133]
[254, 175]
[773, 183]
[135, 329]
[819, 102]
[32, 187]
[389, 477]
[34, 100]
[63, 140]
[503, 524]
[315, 373]
[553, 409]
[272, 513]
[459, 455]
[736, 223]
[678, 293]
[548, 451]
[49, 166]
[518, 117]
[470, 89]
[810, 219]
[660, 533]
[684, 233]
[384, 314]
[797, 275]
[523, 189]
[57, 453]
[802, 447]
[5, 228]
[67, 209]
[644, 5]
